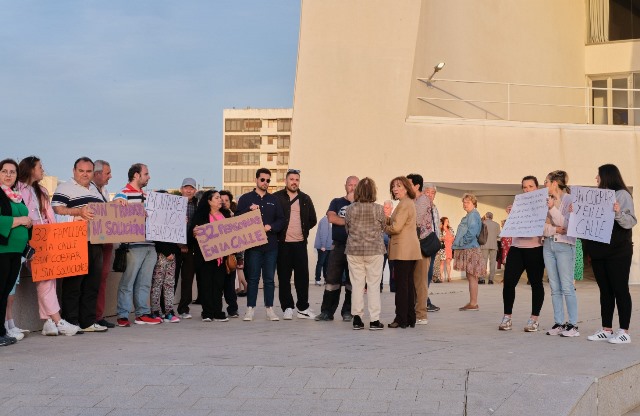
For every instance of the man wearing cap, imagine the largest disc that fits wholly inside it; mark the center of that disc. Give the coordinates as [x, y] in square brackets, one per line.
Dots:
[300, 217]
[184, 262]
[490, 249]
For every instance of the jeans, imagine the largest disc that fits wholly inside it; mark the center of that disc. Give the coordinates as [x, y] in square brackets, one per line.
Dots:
[559, 259]
[322, 264]
[255, 261]
[135, 283]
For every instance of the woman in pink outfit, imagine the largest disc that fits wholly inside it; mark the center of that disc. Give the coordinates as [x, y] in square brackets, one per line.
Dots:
[447, 237]
[36, 198]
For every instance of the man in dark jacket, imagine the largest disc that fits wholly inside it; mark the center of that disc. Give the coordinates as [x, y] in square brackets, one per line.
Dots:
[300, 217]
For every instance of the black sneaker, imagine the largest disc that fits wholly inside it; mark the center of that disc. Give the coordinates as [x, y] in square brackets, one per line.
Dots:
[490, 282]
[323, 316]
[106, 323]
[347, 317]
[481, 281]
[357, 323]
[432, 308]
[376, 326]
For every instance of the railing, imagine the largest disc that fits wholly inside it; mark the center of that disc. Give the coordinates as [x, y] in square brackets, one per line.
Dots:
[452, 88]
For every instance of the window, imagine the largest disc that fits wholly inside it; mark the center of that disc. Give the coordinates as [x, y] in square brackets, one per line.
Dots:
[283, 158]
[624, 19]
[242, 142]
[271, 157]
[284, 124]
[613, 99]
[242, 158]
[272, 123]
[241, 124]
[239, 175]
[280, 174]
[284, 142]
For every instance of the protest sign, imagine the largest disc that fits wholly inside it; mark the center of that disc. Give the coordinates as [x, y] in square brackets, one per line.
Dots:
[61, 250]
[231, 235]
[116, 223]
[592, 217]
[167, 220]
[527, 216]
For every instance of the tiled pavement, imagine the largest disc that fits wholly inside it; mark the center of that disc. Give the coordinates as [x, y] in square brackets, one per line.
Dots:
[459, 364]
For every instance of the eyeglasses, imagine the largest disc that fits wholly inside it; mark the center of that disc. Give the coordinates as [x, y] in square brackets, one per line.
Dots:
[8, 172]
[296, 171]
[265, 180]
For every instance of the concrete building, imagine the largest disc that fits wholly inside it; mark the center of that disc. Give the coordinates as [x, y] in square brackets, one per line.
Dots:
[254, 138]
[528, 87]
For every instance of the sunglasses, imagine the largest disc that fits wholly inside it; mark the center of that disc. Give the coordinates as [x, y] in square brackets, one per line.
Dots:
[265, 180]
[296, 171]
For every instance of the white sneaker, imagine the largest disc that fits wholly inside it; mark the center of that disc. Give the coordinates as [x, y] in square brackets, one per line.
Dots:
[601, 335]
[620, 337]
[95, 328]
[16, 333]
[49, 328]
[185, 316]
[271, 315]
[65, 328]
[318, 283]
[306, 314]
[422, 321]
[24, 331]
[248, 315]
[570, 331]
[288, 314]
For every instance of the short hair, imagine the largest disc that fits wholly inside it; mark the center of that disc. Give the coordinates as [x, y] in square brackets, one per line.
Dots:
[227, 193]
[429, 185]
[416, 179]
[135, 168]
[366, 191]
[472, 198]
[82, 159]
[530, 178]
[99, 164]
[404, 182]
[262, 170]
[489, 215]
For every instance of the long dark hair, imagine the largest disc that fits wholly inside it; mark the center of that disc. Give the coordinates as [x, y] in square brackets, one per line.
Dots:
[201, 216]
[611, 178]
[25, 170]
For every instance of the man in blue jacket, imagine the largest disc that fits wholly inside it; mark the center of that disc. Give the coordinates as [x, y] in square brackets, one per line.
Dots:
[262, 258]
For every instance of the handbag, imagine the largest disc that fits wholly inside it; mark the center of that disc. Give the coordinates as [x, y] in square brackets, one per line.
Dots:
[120, 258]
[429, 245]
[231, 263]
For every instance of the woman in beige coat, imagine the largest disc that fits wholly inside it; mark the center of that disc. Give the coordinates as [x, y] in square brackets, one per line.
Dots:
[404, 250]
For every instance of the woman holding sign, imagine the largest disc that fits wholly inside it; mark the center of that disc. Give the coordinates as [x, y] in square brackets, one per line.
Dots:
[15, 230]
[611, 262]
[559, 254]
[38, 203]
[212, 273]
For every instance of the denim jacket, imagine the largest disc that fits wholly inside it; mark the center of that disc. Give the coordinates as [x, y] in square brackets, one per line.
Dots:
[468, 230]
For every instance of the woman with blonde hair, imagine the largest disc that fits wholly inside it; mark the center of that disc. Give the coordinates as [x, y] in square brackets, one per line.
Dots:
[404, 250]
[364, 221]
[467, 255]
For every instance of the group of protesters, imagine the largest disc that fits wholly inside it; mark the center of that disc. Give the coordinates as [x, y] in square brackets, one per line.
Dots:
[75, 304]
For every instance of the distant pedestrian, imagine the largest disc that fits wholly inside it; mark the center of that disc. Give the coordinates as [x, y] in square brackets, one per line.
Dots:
[323, 247]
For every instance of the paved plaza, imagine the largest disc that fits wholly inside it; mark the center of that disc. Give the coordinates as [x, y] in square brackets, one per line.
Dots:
[458, 364]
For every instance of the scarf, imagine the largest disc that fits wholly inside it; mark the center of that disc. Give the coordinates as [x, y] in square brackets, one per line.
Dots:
[11, 194]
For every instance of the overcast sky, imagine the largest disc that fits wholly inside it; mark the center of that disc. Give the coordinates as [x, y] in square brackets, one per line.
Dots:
[139, 81]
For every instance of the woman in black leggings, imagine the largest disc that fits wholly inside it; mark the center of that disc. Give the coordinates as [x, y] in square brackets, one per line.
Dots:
[525, 253]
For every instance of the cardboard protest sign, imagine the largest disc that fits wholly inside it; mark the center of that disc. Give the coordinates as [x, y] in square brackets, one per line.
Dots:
[231, 235]
[592, 217]
[528, 215]
[115, 223]
[61, 250]
[167, 218]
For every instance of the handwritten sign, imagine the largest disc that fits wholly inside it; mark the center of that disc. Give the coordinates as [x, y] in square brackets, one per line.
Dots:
[61, 250]
[231, 235]
[167, 220]
[528, 215]
[592, 217]
[115, 223]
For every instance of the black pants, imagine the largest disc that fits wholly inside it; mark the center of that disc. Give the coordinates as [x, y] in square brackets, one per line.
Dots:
[80, 293]
[293, 257]
[230, 295]
[185, 263]
[405, 292]
[519, 260]
[9, 269]
[612, 276]
[212, 283]
[338, 267]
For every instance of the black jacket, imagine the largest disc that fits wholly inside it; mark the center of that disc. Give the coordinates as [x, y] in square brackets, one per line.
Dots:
[308, 218]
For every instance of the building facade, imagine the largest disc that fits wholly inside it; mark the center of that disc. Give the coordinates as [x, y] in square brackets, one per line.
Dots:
[254, 138]
[528, 87]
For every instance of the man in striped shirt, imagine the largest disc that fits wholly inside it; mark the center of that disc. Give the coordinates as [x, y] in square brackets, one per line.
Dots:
[135, 283]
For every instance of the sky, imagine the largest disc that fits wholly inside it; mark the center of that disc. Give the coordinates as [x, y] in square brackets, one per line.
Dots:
[139, 81]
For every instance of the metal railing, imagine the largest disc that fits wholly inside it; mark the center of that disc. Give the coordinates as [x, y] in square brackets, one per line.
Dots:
[509, 103]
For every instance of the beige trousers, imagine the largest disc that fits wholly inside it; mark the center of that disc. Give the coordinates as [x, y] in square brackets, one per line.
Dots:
[422, 289]
[365, 269]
